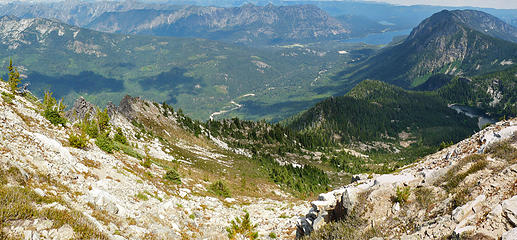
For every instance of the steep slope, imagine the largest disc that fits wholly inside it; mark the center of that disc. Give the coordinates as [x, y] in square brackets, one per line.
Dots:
[450, 42]
[466, 191]
[374, 111]
[248, 24]
[157, 182]
[200, 76]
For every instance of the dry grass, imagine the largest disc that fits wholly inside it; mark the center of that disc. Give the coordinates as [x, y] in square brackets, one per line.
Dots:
[83, 228]
[21, 203]
[455, 176]
[425, 197]
[503, 150]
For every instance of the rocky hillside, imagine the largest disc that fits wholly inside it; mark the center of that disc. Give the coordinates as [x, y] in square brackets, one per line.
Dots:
[466, 191]
[463, 43]
[248, 24]
[142, 174]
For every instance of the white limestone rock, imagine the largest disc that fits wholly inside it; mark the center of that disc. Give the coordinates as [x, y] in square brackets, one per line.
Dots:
[510, 210]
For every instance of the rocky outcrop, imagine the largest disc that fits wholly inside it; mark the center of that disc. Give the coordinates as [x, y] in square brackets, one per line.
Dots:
[482, 201]
[126, 107]
[80, 110]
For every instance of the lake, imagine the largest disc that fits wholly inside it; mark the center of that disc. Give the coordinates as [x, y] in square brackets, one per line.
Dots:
[379, 38]
[483, 119]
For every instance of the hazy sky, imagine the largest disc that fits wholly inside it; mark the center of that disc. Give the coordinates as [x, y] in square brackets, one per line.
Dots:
[509, 4]
[504, 4]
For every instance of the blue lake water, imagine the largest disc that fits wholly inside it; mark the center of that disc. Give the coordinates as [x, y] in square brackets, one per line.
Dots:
[379, 38]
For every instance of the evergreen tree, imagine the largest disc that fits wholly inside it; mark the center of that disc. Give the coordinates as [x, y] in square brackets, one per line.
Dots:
[14, 77]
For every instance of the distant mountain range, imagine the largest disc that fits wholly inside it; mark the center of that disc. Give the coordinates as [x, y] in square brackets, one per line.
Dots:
[78, 13]
[451, 42]
[247, 24]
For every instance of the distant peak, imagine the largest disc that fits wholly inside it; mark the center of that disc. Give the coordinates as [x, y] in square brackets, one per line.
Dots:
[9, 18]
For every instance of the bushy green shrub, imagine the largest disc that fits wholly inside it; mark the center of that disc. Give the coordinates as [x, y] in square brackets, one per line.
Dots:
[119, 137]
[242, 227]
[147, 164]
[105, 143]
[54, 117]
[90, 128]
[127, 150]
[78, 141]
[8, 98]
[103, 120]
[173, 176]
[401, 195]
[220, 189]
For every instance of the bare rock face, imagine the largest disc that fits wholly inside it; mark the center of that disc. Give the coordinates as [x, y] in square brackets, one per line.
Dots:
[80, 110]
[126, 107]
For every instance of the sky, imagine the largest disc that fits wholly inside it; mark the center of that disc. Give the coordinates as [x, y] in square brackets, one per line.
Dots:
[502, 4]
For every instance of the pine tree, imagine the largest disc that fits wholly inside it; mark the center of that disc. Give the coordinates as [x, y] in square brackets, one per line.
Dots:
[14, 77]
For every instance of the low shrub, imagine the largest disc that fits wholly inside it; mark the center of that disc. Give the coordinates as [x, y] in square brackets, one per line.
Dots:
[127, 150]
[461, 197]
[454, 181]
[8, 97]
[173, 176]
[105, 143]
[54, 117]
[147, 163]
[220, 189]
[78, 141]
[242, 227]
[119, 137]
[401, 195]
[142, 196]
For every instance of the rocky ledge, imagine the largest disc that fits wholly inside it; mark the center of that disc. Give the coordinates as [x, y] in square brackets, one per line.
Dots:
[468, 189]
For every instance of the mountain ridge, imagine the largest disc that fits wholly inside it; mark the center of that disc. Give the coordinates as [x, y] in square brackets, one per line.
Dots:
[454, 49]
[248, 24]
